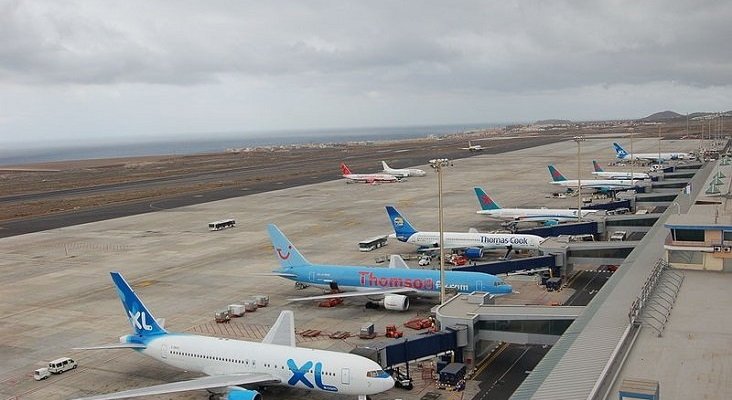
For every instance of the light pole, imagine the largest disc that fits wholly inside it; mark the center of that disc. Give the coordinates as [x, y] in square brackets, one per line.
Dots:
[438, 164]
[579, 140]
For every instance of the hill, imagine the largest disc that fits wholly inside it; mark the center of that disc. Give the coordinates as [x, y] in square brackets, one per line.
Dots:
[662, 116]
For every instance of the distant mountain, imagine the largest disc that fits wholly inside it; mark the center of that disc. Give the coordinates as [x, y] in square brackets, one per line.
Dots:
[662, 116]
[553, 122]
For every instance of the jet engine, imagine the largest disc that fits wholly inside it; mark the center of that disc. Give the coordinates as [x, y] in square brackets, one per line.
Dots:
[395, 302]
[237, 393]
[473, 253]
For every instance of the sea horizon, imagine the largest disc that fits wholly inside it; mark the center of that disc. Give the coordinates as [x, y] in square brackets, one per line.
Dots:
[220, 142]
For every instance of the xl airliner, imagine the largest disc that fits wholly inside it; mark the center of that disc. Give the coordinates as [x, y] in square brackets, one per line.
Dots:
[230, 364]
[548, 216]
[599, 172]
[366, 178]
[597, 184]
[405, 232]
[402, 172]
[621, 154]
[391, 285]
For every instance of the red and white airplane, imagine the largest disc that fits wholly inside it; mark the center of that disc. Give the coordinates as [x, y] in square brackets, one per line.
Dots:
[367, 178]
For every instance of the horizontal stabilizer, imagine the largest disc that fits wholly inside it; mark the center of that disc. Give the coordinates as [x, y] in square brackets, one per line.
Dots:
[472, 230]
[377, 292]
[280, 274]
[114, 346]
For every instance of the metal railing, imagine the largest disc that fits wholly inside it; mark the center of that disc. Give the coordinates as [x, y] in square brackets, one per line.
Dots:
[653, 305]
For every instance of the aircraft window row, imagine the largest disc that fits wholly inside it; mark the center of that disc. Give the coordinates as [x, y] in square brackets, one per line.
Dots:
[181, 353]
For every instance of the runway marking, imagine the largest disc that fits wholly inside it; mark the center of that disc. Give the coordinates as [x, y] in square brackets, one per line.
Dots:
[500, 378]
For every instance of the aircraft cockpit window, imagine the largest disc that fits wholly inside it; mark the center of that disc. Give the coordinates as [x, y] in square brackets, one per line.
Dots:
[380, 373]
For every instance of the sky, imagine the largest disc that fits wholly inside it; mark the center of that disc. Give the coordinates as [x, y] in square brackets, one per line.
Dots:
[102, 71]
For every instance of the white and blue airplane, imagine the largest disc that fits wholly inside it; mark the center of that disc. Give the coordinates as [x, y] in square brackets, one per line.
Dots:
[600, 173]
[621, 154]
[393, 285]
[605, 185]
[472, 242]
[230, 364]
[548, 216]
[402, 172]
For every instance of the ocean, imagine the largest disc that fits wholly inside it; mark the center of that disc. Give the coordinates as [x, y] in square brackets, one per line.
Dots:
[207, 143]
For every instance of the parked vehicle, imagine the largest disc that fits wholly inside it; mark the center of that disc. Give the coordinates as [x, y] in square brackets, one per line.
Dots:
[61, 365]
[41, 373]
[424, 260]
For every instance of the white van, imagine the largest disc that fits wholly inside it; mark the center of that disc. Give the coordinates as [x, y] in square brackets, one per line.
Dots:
[61, 365]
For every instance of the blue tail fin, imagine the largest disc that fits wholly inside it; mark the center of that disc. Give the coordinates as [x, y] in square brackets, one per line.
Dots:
[620, 152]
[597, 166]
[284, 250]
[486, 203]
[556, 175]
[402, 227]
[142, 321]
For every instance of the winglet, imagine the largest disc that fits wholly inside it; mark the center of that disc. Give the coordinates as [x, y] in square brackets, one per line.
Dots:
[283, 330]
[486, 203]
[556, 175]
[402, 228]
[396, 261]
[284, 250]
[597, 166]
[141, 319]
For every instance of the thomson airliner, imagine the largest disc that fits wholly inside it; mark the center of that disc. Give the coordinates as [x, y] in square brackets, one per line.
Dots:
[391, 285]
[597, 184]
[230, 364]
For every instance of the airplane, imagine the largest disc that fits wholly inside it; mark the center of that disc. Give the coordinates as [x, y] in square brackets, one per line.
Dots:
[549, 216]
[229, 363]
[621, 154]
[402, 172]
[472, 242]
[599, 172]
[392, 285]
[605, 185]
[473, 147]
[366, 178]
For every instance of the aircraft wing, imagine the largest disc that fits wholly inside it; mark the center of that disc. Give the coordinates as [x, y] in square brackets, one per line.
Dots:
[375, 292]
[206, 382]
[280, 274]
[114, 346]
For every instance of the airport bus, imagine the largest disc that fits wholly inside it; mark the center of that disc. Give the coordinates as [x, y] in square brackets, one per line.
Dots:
[373, 243]
[223, 224]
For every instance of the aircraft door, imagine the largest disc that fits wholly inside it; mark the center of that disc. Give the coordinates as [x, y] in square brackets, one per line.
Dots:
[346, 376]
[312, 277]
[164, 351]
[478, 286]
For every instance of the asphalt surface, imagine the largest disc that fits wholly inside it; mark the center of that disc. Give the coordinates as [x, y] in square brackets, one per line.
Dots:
[276, 175]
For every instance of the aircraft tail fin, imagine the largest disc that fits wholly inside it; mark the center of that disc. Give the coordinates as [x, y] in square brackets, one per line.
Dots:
[142, 321]
[620, 151]
[345, 169]
[597, 166]
[284, 250]
[556, 175]
[283, 330]
[402, 227]
[486, 203]
[384, 166]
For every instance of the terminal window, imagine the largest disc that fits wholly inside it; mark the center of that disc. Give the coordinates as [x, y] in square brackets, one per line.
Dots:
[688, 235]
[728, 236]
[685, 257]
